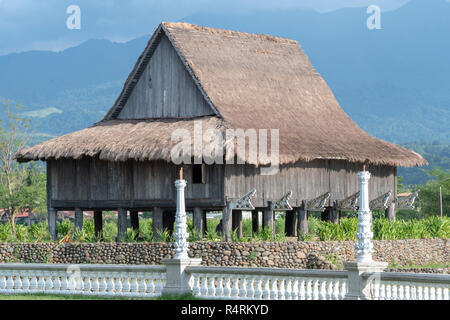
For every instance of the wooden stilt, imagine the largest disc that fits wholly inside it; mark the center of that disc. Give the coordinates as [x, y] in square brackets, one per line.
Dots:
[198, 219]
[52, 213]
[98, 224]
[205, 221]
[134, 219]
[268, 220]
[255, 221]
[168, 220]
[334, 213]
[302, 220]
[78, 219]
[157, 219]
[290, 225]
[237, 222]
[121, 224]
[226, 222]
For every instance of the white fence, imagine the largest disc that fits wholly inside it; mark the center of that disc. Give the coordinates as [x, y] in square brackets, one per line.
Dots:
[267, 283]
[96, 280]
[216, 282]
[408, 286]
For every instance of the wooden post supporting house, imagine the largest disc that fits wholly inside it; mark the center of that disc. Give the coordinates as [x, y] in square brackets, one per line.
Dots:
[302, 215]
[52, 222]
[134, 220]
[98, 224]
[198, 216]
[78, 219]
[121, 224]
[255, 221]
[236, 224]
[226, 221]
[290, 225]
[334, 213]
[268, 221]
[168, 220]
[157, 218]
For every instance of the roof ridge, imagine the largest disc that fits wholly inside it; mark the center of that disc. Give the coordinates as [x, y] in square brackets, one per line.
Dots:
[187, 25]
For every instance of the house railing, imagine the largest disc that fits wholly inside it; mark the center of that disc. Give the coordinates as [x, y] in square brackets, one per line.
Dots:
[83, 279]
[144, 281]
[408, 286]
[266, 283]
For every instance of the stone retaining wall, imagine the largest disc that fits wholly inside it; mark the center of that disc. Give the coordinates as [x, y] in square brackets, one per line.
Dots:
[250, 254]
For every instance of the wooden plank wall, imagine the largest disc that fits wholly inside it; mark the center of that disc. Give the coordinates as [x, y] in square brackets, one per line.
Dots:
[93, 179]
[172, 93]
[306, 180]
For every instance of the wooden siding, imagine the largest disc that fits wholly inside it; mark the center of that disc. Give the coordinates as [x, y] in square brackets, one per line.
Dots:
[173, 92]
[93, 180]
[306, 180]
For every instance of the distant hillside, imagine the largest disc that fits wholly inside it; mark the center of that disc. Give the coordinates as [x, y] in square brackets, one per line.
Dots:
[393, 82]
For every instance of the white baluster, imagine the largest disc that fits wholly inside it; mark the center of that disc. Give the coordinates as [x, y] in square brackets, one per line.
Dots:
[33, 282]
[382, 294]
[57, 283]
[432, 292]
[316, 289]
[3, 282]
[17, 282]
[426, 293]
[48, 282]
[419, 292]
[134, 284]
[126, 284]
[400, 289]
[227, 288]
[142, 286]
[288, 291]
[211, 286]
[41, 283]
[9, 282]
[86, 283]
[95, 283]
[323, 289]
[343, 289]
[266, 290]
[335, 294]
[281, 289]
[158, 284]
[235, 288]
[329, 289]
[250, 289]
[110, 284]
[195, 285]
[274, 289]
[438, 295]
[309, 289]
[445, 294]
[302, 289]
[219, 289]
[102, 283]
[118, 284]
[204, 286]
[295, 292]
[26, 281]
[243, 287]
[259, 288]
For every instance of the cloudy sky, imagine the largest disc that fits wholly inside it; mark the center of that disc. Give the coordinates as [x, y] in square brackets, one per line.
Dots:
[41, 24]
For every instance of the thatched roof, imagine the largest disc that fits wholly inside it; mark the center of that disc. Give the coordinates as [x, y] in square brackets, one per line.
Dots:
[250, 81]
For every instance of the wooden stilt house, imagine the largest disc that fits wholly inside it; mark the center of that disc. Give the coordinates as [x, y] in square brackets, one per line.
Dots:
[221, 79]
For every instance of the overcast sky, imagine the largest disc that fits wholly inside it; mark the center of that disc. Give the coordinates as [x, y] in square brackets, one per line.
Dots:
[41, 24]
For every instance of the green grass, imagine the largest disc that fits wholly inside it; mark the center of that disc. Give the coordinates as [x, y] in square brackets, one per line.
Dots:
[431, 227]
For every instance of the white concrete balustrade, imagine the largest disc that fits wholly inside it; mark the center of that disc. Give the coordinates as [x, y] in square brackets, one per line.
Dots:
[267, 283]
[408, 286]
[98, 280]
[216, 282]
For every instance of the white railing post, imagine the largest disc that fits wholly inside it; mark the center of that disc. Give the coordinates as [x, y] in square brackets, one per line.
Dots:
[359, 286]
[177, 280]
